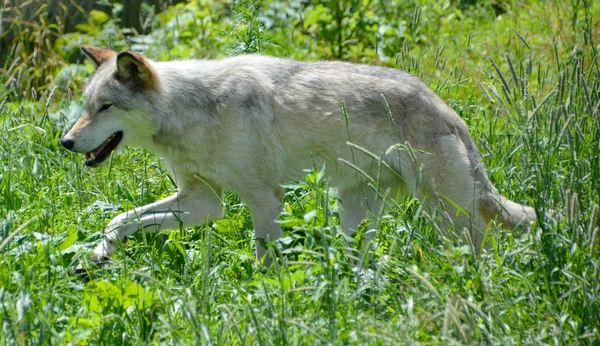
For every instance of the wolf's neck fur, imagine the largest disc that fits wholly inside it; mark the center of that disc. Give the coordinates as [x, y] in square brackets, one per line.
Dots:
[187, 86]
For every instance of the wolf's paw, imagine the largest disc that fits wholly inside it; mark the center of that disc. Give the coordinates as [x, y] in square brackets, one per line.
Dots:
[105, 249]
[99, 257]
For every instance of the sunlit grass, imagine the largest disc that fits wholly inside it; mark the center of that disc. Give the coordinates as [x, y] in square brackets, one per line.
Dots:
[535, 115]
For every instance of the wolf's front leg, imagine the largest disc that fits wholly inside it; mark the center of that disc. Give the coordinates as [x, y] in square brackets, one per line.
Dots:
[265, 207]
[185, 208]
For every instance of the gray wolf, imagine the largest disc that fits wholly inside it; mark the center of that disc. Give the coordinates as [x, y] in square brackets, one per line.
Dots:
[250, 123]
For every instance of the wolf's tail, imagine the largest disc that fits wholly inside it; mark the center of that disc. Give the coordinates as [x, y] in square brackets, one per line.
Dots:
[511, 214]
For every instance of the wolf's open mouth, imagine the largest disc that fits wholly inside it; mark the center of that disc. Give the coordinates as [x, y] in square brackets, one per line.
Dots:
[98, 155]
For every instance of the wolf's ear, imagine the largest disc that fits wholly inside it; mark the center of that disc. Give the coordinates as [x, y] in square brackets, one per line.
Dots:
[133, 66]
[99, 55]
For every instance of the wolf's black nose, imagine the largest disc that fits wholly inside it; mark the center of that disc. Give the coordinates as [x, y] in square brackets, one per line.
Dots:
[67, 143]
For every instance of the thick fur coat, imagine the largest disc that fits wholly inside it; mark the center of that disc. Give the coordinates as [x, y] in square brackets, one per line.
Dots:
[251, 123]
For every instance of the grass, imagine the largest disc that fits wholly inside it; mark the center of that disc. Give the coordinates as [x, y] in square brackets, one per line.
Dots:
[527, 83]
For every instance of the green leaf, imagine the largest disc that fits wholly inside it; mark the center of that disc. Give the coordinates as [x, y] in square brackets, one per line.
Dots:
[98, 17]
[71, 238]
[136, 295]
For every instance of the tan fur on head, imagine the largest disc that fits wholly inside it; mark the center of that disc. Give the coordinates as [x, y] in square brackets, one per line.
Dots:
[97, 54]
[81, 123]
[130, 66]
[133, 66]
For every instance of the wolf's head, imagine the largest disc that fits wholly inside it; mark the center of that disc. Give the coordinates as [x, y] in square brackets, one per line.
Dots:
[118, 105]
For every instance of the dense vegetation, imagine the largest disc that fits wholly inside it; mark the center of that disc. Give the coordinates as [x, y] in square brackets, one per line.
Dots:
[523, 75]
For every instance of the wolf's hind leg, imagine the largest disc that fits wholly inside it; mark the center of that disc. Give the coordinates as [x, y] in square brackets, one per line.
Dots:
[454, 178]
[186, 208]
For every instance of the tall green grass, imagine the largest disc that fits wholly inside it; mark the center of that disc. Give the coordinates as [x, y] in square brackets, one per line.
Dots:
[532, 103]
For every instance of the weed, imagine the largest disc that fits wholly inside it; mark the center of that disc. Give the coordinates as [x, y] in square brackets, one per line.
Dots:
[525, 78]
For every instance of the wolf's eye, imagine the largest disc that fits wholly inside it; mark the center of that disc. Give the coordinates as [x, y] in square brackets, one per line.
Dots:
[105, 107]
